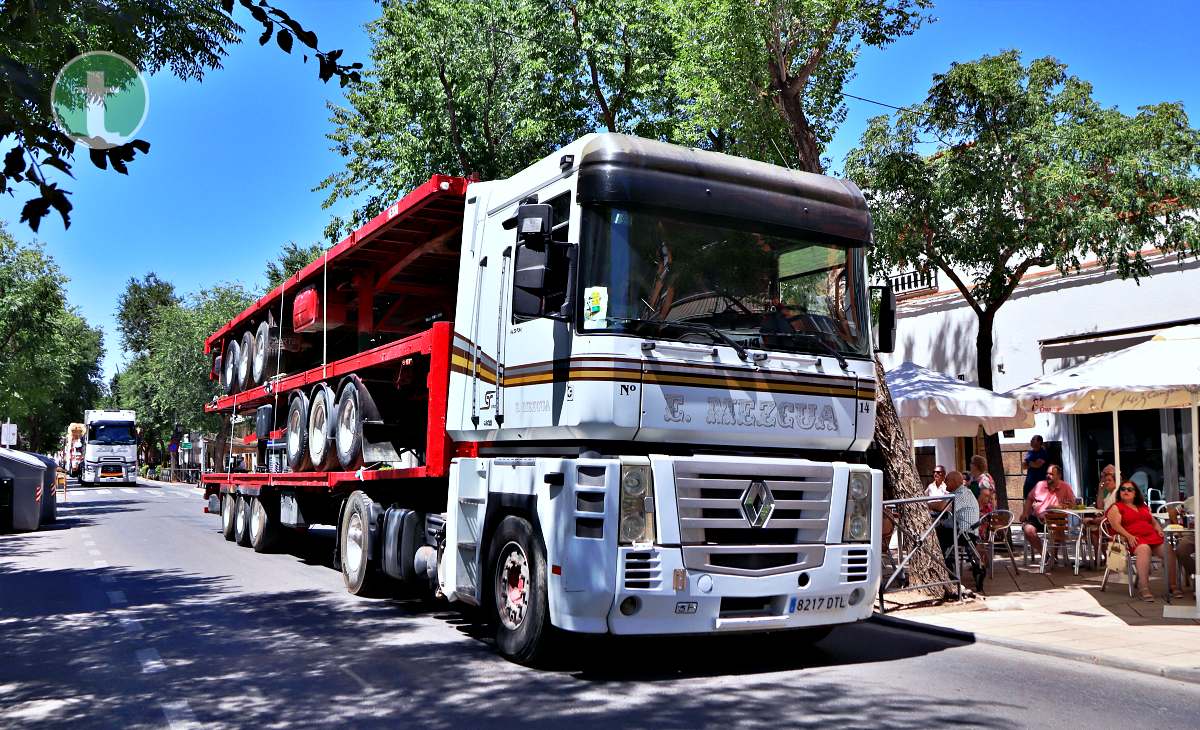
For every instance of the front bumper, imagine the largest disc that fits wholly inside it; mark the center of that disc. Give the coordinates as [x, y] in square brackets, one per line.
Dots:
[840, 590]
[109, 475]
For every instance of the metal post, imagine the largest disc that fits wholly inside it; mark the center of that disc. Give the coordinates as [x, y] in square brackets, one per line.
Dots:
[1192, 612]
[1116, 427]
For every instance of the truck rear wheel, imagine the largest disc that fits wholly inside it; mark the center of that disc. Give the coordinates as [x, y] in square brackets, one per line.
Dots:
[264, 524]
[322, 417]
[228, 516]
[241, 528]
[518, 600]
[297, 434]
[355, 548]
[349, 427]
[245, 364]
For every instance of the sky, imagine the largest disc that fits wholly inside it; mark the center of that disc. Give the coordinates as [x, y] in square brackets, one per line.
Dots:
[235, 158]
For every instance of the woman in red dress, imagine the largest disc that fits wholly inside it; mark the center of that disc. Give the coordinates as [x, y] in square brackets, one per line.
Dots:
[1131, 519]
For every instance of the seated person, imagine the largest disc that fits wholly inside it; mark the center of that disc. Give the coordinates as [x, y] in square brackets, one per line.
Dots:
[1050, 493]
[1131, 519]
[1185, 548]
[966, 516]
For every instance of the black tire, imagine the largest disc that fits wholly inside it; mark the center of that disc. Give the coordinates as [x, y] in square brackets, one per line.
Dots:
[522, 638]
[322, 424]
[355, 547]
[297, 434]
[264, 524]
[229, 516]
[229, 367]
[219, 370]
[242, 521]
[348, 430]
[245, 365]
[266, 346]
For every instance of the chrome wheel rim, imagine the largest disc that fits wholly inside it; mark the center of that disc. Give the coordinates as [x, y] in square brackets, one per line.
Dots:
[260, 356]
[293, 433]
[512, 585]
[258, 521]
[227, 512]
[347, 425]
[316, 430]
[243, 515]
[354, 547]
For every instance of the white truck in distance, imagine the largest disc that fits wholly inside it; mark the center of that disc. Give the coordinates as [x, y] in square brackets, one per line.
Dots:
[633, 383]
[109, 447]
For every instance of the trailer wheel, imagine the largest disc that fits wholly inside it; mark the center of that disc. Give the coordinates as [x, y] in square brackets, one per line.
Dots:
[297, 433]
[264, 524]
[242, 521]
[229, 366]
[518, 602]
[228, 516]
[265, 346]
[245, 364]
[354, 547]
[322, 424]
[349, 430]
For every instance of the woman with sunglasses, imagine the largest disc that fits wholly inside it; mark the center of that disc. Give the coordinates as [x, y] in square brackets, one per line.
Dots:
[1131, 519]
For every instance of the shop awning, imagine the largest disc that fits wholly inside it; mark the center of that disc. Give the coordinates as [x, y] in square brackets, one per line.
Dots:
[936, 405]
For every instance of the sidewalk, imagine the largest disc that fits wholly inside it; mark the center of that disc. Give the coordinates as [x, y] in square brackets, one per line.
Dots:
[1064, 615]
[156, 483]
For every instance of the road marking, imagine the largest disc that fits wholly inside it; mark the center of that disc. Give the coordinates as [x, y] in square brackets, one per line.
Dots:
[93, 552]
[89, 543]
[103, 491]
[116, 597]
[179, 715]
[99, 563]
[150, 660]
[131, 625]
[128, 491]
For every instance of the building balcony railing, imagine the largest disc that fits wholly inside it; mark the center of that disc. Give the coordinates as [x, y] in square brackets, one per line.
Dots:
[912, 282]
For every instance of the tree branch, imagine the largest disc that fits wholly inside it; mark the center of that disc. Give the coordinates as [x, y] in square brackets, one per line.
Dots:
[965, 290]
[452, 112]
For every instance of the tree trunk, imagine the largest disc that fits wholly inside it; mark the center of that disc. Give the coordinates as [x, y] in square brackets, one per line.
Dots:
[900, 481]
[983, 371]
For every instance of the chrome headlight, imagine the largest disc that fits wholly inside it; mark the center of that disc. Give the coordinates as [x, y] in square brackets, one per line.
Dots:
[857, 527]
[637, 504]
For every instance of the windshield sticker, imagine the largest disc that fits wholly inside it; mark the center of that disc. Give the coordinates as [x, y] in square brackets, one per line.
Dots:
[595, 307]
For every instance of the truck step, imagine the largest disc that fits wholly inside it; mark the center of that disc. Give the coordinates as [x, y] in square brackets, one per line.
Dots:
[471, 546]
[472, 500]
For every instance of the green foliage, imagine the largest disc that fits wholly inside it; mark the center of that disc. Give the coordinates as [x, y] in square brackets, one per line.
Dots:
[169, 383]
[137, 308]
[1030, 172]
[291, 259]
[49, 356]
[765, 79]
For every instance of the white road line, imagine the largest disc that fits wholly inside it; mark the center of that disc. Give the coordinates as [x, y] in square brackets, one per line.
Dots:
[103, 491]
[89, 543]
[150, 660]
[99, 563]
[131, 625]
[93, 552]
[116, 597]
[128, 491]
[356, 678]
[179, 715]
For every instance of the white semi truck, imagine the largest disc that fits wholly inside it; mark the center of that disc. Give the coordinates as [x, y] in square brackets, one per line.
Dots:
[628, 390]
[109, 447]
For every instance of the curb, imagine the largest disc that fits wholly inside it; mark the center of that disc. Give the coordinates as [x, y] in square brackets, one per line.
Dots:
[1180, 674]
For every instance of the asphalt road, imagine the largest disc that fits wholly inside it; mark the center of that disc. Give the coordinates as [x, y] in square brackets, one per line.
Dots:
[133, 611]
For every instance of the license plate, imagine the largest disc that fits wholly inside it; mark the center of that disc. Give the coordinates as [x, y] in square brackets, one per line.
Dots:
[814, 604]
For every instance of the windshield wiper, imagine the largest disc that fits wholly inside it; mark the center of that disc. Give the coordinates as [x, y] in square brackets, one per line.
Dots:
[702, 327]
[824, 346]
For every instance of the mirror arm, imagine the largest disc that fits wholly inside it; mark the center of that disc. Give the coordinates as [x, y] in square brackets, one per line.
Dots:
[568, 306]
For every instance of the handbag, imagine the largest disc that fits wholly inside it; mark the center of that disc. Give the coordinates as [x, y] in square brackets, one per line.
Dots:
[1118, 557]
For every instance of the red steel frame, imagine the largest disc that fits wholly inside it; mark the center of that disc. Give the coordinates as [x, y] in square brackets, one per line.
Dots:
[434, 342]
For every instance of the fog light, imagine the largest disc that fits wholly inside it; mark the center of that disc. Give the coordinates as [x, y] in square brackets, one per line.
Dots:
[630, 606]
[856, 595]
[802, 580]
[705, 583]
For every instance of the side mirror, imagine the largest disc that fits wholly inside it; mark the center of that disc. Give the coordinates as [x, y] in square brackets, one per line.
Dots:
[886, 340]
[543, 280]
[534, 224]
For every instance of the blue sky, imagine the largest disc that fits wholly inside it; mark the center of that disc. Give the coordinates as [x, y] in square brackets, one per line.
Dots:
[235, 158]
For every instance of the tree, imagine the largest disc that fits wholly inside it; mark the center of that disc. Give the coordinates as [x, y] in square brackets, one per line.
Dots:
[39, 37]
[1030, 172]
[138, 307]
[766, 79]
[291, 259]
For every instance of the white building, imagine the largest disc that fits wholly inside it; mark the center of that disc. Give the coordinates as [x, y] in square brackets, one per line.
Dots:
[1051, 322]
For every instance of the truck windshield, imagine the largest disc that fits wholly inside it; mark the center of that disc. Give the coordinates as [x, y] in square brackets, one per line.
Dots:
[666, 274]
[112, 434]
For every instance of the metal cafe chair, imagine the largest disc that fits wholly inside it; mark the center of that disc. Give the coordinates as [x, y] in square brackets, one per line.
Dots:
[1130, 564]
[1062, 528]
[1184, 579]
[997, 526]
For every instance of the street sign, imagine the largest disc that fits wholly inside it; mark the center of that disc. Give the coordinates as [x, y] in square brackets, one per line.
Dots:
[8, 434]
[186, 446]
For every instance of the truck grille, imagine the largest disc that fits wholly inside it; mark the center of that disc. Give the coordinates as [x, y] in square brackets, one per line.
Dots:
[855, 565]
[643, 569]
[716, 532]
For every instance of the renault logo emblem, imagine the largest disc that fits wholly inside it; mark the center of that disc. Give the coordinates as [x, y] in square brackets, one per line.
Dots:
[758, 503]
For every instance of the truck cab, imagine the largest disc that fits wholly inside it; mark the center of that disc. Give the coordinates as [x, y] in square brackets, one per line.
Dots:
[110, 447]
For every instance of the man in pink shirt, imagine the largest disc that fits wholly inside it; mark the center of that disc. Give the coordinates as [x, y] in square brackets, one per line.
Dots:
[1050, 493]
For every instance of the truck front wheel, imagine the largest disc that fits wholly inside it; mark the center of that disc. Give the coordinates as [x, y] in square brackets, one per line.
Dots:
[518, 602]
[355, 548]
